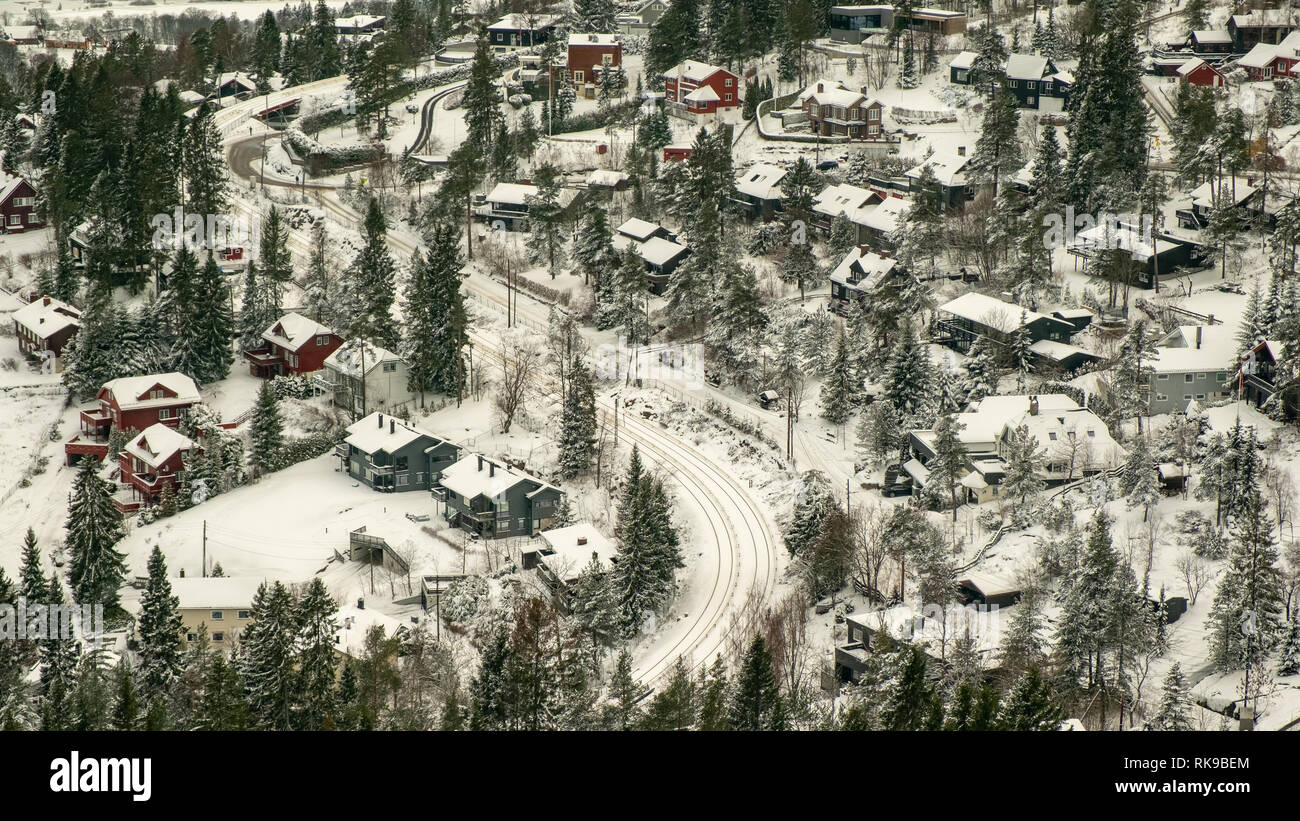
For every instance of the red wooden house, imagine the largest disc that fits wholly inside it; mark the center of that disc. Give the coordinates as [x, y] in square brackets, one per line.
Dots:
[18, 206]
[701, 88]
[589, 53]
[1200, 73]
[293, 345]
[132, 403]
[152, 461]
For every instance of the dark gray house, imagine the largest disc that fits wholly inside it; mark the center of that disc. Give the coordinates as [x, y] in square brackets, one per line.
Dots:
[494, 500]
[391, 456]
[973, 315]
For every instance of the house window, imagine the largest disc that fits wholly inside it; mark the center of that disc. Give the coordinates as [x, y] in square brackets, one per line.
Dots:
[217, 615]
[1031, 85]
[1200, 396]
[322, 340]
[1013, 84]
[15, 220]
[166, 413]
[728, 82]
[32, 219]
[578, 76]
[1187, 377]
[728, 96]
[242, 614]
[1221, 376]
[1031, 101]
[874, 114]
[402, 480]
[1187, 397]
[1162, 377]
[218, 636]
[962, 75]
[390, 367]
[1201, 375]
[191, 636]
[156, 393]
[1160, 397]
[607, 59]
[1051, 435]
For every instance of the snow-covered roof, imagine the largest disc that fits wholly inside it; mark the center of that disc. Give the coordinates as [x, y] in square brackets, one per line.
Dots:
[1054, 429]
[761, 181]
[638, 229]
[357, 21]
[823, 94]
[376, 433]
[842, 199]
[591, 39]
[862, 271]
[984, 420]
[703, 94]
[157, 444]
[885, 216]
[1265, 17]
[293, 330]
[1026, 66]
[354, 624]
[525, 22]
[8, 185]
[1212, 36]
[995, 313]
[47, 316]
[949, 168]
[660, 251]
[1121, 237]
[965, 60]
[1059, 351]
[476, 475]
[216, 592]
[1191, 65]
[132, 392]
[919, 472]
[346, 359]
[514, 193]
[568, 558]
[1291, 41]
[606, 178]
[1237, 189]
[692, 70]
[238, 77]
[1263, 54]
[989, 583]
[1178, 351]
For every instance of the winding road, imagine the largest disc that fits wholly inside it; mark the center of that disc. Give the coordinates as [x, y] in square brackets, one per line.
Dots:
[737, 539]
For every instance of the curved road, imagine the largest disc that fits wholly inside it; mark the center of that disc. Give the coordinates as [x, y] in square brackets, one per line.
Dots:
[740, 533]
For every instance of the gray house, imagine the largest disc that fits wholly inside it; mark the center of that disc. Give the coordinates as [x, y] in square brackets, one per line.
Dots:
[389, 455]
[494, 500]
[1192, 363]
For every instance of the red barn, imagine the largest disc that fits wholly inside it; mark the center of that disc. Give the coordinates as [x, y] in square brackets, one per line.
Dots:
[132, 403]
[1199, 73]
[293, 345]
[589, 53]
[700, 87]
[18, 206]
[152, 461]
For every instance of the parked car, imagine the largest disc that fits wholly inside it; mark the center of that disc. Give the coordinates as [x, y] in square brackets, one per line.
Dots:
[768, 399]
[412, 107]
[827, 165]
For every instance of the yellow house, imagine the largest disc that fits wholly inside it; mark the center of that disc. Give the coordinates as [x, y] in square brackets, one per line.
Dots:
[220, 606]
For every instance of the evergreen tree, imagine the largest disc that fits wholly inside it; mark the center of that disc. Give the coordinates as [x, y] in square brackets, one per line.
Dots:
[126, 704]
[160, 631]
[908, 696]
[812, 504]
[317, 661]
[1175, 704]
[578, 423]
[267, 661]
[1029, 706]
[756, 702]
[948, 467]
[266, 431]
[840, 392]
[436, 320]
[482, 97]
[373, 274]
[94, 525]
[203, 165]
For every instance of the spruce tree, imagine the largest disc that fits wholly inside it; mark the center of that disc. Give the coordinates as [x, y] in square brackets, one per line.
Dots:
[373, 274]
[1029, 706]
[160, 631]
[267, 662]
[314, 688]
[436, 320]
[213, 324]
[94, 525]
[578, 422]
[1175, 704]
[755, 704]
[266, 431]
[839, 393]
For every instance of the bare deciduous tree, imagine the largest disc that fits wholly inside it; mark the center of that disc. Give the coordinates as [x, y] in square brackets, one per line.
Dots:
[519, 359]
[1196, 573]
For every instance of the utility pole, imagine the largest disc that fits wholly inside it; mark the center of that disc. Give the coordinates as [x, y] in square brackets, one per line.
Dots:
[205, 548]
[789, 423]
[615, 420]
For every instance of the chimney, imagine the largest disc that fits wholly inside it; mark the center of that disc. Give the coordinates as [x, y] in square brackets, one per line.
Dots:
[45, 301]
[381, 421]
[392, 426]
[1198, 337]
[820, 88]
[582, 540]
[492, 468]
[886, 254]
[961, 151]
[1033, 406]
[480, 461]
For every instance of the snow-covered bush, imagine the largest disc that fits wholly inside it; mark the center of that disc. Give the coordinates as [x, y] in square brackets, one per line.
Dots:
[295, 386]
[464, 599]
